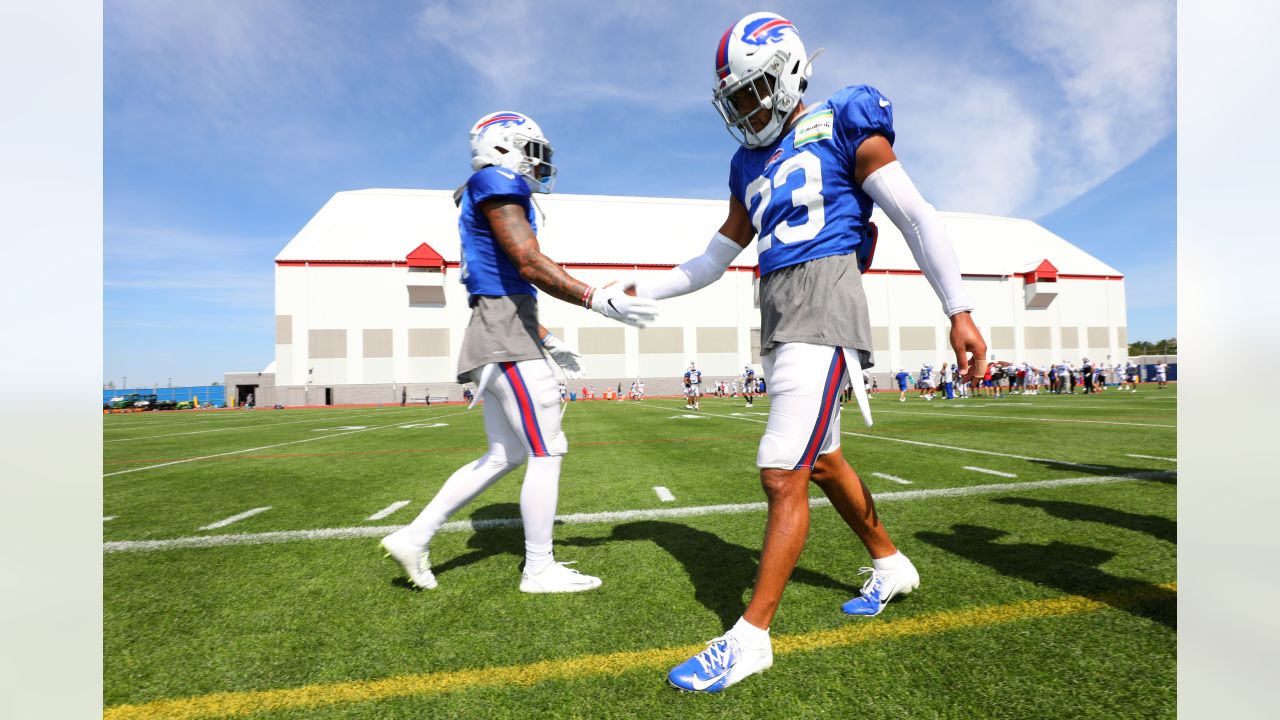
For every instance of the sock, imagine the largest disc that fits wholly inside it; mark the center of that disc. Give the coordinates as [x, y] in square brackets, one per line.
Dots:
[461, 488]
[749, 634]
[886, 564]
[538, 497]
[537, 557]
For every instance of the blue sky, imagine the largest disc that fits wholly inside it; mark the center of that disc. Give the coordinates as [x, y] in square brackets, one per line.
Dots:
[228, 124]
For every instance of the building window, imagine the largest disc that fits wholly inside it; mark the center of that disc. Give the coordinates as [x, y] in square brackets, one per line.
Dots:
[377, 343]
[1070, 338]
[880, 338]
[1037, 338]
[428, 342]
[661, 340]
[921, 337]
[327, 343]
[284, 329]
[1002, 337]
[717, 340]
[601, 341]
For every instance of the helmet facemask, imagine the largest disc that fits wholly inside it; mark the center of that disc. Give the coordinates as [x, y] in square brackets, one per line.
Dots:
[536, 165]
[759, 91]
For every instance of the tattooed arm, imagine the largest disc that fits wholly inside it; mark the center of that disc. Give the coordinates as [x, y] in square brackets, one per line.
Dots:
[515, 236]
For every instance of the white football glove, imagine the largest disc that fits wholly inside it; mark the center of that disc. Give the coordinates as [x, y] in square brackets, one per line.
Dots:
[612, 302]
[564, 356]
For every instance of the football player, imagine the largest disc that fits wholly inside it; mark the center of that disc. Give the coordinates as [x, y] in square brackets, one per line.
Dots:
[502, 351]
[803, 183]
[749, 385]
[693, 378]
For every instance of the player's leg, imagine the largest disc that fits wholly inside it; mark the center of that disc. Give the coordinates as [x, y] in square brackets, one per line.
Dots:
[529, 404]
[506, 452]
[892, 573]
[805, 382]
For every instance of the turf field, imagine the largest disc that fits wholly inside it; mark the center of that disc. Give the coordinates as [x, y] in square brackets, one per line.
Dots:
[242, 577]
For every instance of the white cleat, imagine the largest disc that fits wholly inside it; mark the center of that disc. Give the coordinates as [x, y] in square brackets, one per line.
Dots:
[413, 559]
[881, 587]
[558, 578]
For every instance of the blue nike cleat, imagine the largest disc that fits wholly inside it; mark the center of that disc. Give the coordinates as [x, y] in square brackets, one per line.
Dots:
[723, 663]
[881, 587]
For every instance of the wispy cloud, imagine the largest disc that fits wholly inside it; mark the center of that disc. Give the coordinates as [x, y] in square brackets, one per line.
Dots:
[1114, 65]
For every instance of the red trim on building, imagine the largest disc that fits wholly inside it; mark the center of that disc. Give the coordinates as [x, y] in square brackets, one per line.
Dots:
[1044, 272]
[1066, 276]
[656, 266]
[425, 256]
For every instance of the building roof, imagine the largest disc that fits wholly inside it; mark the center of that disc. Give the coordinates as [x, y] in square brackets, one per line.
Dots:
[387, 226]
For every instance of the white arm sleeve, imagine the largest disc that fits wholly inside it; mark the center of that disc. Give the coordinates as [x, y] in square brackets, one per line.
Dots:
[694, 274]
[920, 224]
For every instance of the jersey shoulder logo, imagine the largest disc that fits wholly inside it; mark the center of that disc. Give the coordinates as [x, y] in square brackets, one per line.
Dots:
[884, 103]
[816, 127]
[507, 174]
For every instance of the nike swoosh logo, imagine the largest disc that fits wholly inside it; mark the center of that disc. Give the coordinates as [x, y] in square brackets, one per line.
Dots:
[512, 176]
[884, 103]
[704, 684]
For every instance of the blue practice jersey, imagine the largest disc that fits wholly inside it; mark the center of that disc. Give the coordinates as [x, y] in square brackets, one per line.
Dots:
[926, 373]
[902, 379]
[693, 377]
[486, 269]
[800, 190]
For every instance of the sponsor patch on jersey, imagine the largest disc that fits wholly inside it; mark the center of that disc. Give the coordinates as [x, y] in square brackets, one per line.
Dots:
[814, 128]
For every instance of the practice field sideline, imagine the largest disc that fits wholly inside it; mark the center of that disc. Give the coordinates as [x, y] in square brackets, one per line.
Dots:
[241, 576]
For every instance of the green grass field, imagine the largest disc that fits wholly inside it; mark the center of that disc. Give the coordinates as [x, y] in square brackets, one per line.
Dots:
[1038, 599]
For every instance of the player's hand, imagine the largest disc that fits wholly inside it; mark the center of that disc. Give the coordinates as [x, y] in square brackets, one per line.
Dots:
[971, 349]
[612, 302]
[566, 357]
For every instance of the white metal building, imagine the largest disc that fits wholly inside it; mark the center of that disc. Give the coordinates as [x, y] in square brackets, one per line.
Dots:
[369, 298]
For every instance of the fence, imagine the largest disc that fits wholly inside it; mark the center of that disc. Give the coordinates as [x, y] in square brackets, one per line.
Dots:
[215, 395]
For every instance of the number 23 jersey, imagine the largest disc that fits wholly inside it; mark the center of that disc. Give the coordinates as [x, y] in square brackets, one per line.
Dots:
[800, 191]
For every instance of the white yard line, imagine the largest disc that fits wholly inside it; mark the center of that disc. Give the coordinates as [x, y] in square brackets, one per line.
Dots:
[1034, 419]
[894, 478]
[988, 471]
[109, 518]
[267, 447]
[237, 427]
[235, 518]
[955, 448]
[664, 494]
[1152, 457]
[208, 541]
[384, 512]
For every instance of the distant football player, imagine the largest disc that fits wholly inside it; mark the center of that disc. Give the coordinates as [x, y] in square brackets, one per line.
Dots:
[1162, 375]
[902, 377]
[926, 382]
[693, 379]
[749, 385]
[803, 184]
[502, 351]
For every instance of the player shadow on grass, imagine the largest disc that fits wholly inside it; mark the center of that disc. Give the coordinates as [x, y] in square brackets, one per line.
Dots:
[721, 572]
[1158, 527]
[1150, 474]
[1070, 568]
[487, 540]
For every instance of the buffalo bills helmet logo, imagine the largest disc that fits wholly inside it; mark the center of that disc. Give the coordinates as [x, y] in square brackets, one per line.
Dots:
[766, 30]
[500, 120]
